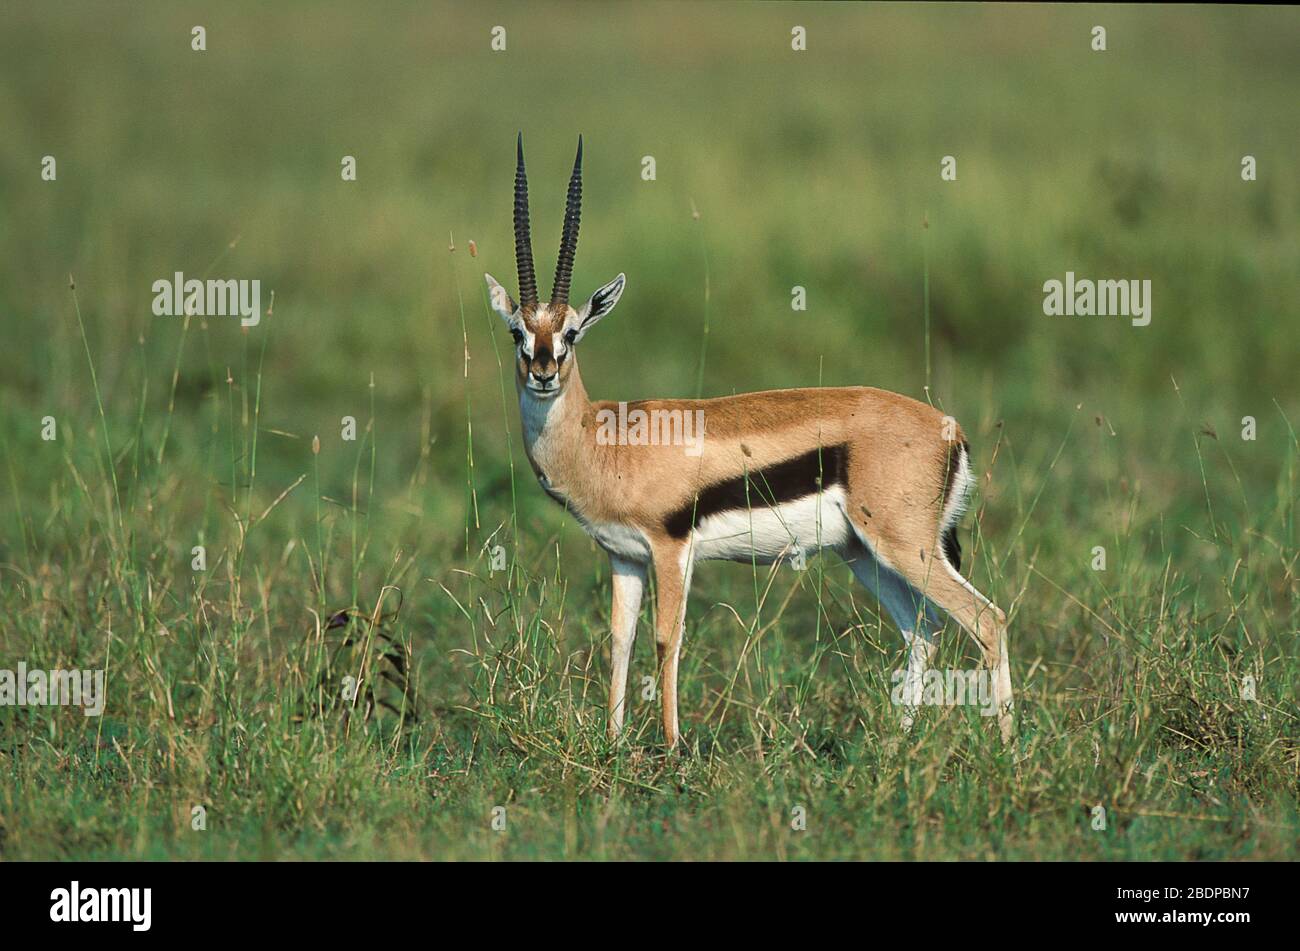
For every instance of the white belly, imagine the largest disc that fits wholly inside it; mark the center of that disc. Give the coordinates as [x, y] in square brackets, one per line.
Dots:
[621, 540]
[765, 534]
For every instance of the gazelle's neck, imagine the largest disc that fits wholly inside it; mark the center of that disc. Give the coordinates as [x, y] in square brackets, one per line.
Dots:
[552, 428]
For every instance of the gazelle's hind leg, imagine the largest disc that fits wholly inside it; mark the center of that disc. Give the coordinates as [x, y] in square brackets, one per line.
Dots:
[930, 573]
[916, 618]
[979, 616]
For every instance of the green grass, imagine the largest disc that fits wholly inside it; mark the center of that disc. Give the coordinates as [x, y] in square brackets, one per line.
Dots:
[814, 169]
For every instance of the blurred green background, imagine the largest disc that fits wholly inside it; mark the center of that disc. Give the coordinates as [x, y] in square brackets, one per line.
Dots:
[813, 168]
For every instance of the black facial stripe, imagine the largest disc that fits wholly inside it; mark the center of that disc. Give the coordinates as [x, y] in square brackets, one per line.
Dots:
[774, 485]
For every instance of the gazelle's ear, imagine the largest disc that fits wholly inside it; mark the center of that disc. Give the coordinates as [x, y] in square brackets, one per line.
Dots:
[501, 301]
[599, 304]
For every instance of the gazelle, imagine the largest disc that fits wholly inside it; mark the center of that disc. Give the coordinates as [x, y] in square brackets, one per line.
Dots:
[880, 478]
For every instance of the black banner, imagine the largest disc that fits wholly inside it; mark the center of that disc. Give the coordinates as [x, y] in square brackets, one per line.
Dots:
[1219, 901]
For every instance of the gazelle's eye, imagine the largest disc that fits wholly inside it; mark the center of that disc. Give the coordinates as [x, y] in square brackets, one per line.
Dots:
[571, 336]
[517, 334]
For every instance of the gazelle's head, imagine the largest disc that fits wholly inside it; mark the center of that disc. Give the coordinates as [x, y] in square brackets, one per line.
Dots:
[545, 334]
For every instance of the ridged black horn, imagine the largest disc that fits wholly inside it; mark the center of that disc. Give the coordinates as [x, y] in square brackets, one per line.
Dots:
[523, 242]
[569, 239]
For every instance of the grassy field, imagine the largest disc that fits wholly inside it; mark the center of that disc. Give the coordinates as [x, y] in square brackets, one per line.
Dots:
[774, 168]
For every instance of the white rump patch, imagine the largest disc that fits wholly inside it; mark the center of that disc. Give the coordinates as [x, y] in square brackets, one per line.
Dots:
[954, 507]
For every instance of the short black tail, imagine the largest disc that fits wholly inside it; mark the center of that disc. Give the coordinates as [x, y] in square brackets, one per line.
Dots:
[951, 546]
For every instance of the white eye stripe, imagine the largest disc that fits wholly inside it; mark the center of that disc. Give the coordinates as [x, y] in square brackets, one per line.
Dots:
[560, 356]
[526, 342]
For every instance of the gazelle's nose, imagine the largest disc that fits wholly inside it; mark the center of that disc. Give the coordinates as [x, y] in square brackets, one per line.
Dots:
[544, 378]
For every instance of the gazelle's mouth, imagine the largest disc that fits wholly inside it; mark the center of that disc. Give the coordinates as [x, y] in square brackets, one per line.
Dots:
[544, 392]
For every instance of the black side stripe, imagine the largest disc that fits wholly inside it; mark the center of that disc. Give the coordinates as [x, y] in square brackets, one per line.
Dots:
[817, 469]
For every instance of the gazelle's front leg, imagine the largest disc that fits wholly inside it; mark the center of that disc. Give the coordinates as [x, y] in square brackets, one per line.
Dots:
[627, 578]
[673, 566]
